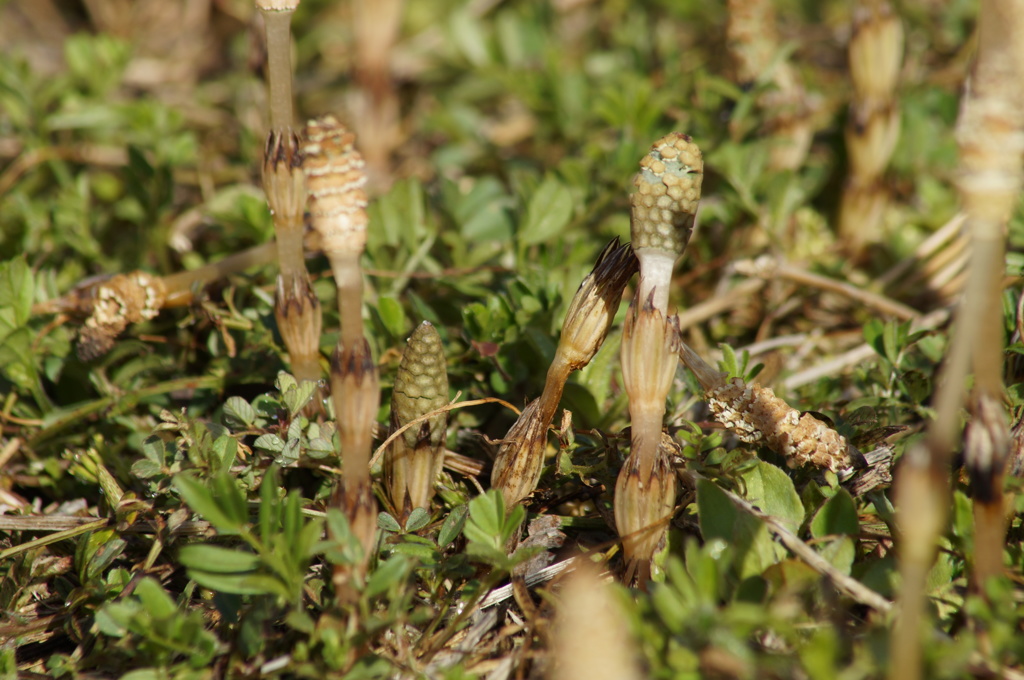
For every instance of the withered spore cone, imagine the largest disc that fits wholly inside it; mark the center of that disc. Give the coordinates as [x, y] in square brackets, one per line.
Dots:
[593, 308]
[755, 414]
[112, 306]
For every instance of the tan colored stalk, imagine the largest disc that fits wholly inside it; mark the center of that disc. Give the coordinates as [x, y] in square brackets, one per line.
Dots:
[296, 306]
[591, 639]
[277, 20]
[873, 127]
[767, 267]
[644, 502]
[664, 207]
[989, 133]
[754, 47]
[413, 461]
[754, 414]
[520, 459]
[356, 392]
[645, 491]
[375, 102]
[650, 355]
[337, 204]
[285, 188]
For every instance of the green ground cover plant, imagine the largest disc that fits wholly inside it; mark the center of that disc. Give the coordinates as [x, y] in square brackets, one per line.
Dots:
[172, 483]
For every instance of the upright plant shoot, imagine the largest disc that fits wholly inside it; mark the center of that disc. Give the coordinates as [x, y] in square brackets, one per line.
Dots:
[334, 172]
[520, 458]
[664, 207]
[414, 459]
[296, 306]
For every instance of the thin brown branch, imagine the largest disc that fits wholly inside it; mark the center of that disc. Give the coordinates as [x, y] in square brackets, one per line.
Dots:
[847, 585]
[766, 267]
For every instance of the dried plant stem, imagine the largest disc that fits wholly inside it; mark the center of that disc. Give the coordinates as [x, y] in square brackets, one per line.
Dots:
[858, 354]
[847, 585]
[455, 404]
[768, 268]
[180, 285]
[990, 137]
[740, 295]
[922, 255]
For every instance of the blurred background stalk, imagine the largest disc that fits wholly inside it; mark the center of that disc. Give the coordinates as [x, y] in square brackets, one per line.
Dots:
[989, 134]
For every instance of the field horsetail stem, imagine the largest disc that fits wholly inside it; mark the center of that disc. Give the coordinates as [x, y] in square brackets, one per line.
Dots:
[664, 207]
[277, 19]
[650, 355]
[413, 461]
[644, 503]
[337, 204]
[520, 458]
[296, 306]
[645, 492]
[758, 58]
